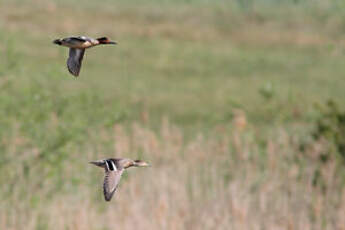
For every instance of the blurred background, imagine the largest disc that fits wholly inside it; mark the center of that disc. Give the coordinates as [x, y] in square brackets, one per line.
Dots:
[238, 105]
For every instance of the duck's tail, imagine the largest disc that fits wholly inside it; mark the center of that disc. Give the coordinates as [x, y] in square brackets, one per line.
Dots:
[57, 42]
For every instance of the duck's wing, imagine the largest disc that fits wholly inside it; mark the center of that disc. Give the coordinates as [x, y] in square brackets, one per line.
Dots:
[79, 38]
[111, 180]
[74, 60]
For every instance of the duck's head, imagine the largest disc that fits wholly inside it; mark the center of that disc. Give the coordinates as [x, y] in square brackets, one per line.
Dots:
[126, 163]
[105, 40]
[140, 163]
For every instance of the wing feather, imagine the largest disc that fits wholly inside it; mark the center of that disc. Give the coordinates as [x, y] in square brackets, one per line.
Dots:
[74, 60]
[111, 181]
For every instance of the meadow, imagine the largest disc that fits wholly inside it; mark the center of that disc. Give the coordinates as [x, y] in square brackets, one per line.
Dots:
[222, 98]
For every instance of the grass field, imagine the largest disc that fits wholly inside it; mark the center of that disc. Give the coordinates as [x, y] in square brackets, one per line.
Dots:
[218, 97]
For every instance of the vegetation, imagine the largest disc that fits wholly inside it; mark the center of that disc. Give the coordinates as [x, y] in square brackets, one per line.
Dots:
[330, 126]
[218, 97]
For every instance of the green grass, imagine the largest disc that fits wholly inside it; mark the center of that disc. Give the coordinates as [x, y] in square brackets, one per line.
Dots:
[196, 74]
[190, 81]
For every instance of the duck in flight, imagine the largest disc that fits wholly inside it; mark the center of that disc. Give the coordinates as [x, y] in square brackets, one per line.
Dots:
[114, 167]
[77, 47]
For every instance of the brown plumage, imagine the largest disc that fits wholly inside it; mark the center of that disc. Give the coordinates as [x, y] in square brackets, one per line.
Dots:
[114, 167]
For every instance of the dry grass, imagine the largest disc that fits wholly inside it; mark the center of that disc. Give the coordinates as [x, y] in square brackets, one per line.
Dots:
[224, 181]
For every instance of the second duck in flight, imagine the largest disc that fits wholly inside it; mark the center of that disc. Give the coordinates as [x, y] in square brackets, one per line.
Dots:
[77, 47]
[114, 168]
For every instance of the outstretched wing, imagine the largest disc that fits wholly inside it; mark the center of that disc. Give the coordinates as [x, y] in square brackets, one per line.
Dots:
[74, 60]
[111, 180]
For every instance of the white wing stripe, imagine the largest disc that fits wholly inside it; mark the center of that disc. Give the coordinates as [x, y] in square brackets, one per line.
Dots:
[114, 166]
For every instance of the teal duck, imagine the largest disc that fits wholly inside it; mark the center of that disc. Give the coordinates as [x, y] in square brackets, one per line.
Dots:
[77, 46]
[114, 167]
